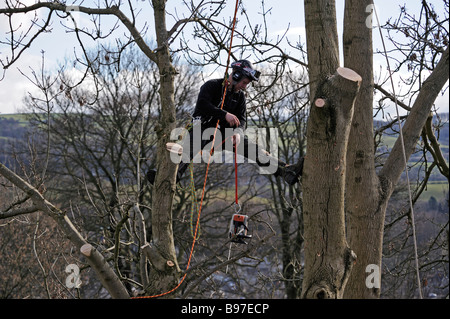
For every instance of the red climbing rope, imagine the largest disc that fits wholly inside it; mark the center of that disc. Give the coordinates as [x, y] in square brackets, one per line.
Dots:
[207, 168]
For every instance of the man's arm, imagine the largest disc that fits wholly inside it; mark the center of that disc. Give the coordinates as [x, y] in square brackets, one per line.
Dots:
[242, 113]
[205, 103]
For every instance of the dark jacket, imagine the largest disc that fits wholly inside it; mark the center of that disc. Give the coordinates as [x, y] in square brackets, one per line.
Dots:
[209, 103]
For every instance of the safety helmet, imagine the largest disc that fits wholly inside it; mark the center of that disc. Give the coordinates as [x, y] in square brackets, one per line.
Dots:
[244, 68]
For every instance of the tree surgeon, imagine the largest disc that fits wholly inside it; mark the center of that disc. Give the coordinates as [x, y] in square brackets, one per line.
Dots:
[230, 117]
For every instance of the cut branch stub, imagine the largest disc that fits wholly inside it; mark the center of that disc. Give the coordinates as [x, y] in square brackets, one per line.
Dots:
[349, 74]
[86, 250]
[345, 80]
[320, 102]
[154, 256]
[174, 148]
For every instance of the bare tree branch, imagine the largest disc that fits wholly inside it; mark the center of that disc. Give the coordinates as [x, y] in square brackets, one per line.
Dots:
[113, 11]
[105, 273]
[18, 211]
[412, 128]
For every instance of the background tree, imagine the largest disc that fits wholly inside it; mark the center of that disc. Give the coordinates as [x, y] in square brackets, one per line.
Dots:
[102, 149]
[162, 232]
[284, 106]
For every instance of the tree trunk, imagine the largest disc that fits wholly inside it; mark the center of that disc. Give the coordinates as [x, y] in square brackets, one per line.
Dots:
[328, 259]
[322, 41]
[165, 279]
[365, 203]
[367, 195]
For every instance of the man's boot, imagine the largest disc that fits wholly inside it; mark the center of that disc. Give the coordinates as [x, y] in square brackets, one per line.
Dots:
[291, 173]
[151, 175]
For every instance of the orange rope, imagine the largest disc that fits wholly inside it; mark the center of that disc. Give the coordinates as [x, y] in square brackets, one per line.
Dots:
[207, 168]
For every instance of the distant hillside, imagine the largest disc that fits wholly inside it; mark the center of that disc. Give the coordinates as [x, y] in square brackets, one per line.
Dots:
[13, 127]
[443, 130]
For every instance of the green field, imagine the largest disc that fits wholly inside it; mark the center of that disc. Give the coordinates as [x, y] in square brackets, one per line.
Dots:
[435, 189]
[22, 118]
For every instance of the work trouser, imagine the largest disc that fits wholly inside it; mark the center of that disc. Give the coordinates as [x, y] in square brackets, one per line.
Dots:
[200, 143]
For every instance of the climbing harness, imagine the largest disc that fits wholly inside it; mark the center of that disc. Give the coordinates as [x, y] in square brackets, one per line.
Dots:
[200, 205]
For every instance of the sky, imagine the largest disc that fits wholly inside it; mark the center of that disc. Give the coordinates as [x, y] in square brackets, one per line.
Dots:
[59, 45]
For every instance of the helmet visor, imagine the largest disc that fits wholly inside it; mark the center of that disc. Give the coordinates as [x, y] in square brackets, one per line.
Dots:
[252, 74]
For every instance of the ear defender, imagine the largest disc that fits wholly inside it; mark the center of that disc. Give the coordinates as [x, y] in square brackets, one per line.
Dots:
[237, 76]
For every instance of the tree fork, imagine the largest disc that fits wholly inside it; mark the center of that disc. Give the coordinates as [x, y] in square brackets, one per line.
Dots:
[328, 259]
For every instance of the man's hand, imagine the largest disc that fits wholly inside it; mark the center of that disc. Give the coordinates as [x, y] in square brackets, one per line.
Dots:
[232, 120]
[236, 139]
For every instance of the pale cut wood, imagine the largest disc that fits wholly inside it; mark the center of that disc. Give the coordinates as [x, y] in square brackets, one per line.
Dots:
[349, 74]
[174, 148]
[86, 250]
[319, 102]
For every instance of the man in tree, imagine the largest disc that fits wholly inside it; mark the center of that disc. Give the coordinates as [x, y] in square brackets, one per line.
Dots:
[230, 118]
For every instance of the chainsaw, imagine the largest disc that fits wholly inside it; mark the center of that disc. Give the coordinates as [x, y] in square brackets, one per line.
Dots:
[239, 229]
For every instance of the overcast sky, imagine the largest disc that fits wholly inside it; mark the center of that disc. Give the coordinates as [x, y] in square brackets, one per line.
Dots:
[58, 45]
